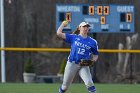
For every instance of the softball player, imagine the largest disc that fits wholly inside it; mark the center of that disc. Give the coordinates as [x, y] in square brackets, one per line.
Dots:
[82, 47]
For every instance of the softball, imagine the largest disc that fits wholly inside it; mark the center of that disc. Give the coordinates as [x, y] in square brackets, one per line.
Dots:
[65, 23]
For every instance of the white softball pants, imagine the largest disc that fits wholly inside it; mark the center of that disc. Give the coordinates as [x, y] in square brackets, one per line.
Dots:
[71, 70]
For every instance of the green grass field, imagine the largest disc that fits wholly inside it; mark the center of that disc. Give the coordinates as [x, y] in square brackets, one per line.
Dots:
[74, 88]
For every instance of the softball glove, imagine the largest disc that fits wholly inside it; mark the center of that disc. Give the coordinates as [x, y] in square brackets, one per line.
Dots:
[86, 62]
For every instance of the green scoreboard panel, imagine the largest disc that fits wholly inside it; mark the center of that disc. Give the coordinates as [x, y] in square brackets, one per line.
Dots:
[102, 18]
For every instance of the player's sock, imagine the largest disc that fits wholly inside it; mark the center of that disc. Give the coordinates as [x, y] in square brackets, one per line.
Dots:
[60, 90]
[92, 89]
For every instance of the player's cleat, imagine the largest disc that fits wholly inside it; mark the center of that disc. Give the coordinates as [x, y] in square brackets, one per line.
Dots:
[92, 89]
[61, 91]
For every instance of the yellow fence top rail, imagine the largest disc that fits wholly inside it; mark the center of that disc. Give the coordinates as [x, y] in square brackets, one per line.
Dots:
[66, 50]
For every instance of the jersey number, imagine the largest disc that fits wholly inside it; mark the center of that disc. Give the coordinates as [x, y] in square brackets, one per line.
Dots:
[81, 51]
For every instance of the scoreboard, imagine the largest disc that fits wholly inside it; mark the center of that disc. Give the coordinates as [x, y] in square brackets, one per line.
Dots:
[102, 18]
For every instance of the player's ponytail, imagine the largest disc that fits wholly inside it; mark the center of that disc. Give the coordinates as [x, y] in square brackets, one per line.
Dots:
[77, 31]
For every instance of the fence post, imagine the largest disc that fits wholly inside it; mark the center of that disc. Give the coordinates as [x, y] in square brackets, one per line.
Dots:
[131, 69]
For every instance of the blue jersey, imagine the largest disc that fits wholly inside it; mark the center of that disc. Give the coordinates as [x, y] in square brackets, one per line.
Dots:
[81, 48]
